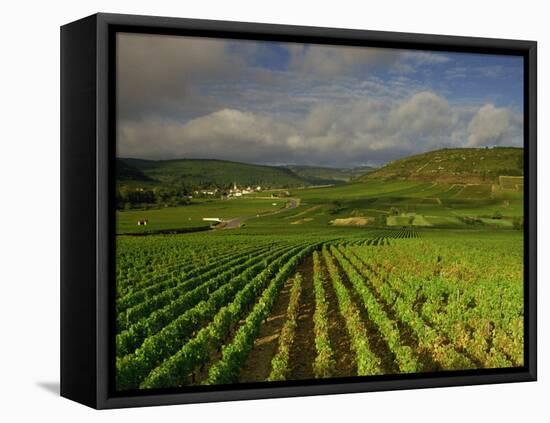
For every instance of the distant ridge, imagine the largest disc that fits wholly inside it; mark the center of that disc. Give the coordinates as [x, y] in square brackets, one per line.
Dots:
[328, 175]
[214, 172]
[450, 165]
[208, 172]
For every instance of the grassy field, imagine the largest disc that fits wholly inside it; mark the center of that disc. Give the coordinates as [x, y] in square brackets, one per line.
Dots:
[191, 216]
[395, 203]
[391, 203]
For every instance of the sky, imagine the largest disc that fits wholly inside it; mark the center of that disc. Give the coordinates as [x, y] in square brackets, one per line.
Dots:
[288, 103]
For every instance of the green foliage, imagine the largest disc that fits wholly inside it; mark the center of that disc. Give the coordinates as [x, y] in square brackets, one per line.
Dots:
[367, 362]
[177, 368]
[132, 368]
[406, 359]
[517, 223]
[280, 364]
[470, 220]
[126, 172]
[130, 198]
[189, 274]
[234, 354]
[464, 304]
[324, 361]
[148, 317]
[450, 294]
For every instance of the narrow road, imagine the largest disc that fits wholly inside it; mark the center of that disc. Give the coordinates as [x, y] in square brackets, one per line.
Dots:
[238, 221]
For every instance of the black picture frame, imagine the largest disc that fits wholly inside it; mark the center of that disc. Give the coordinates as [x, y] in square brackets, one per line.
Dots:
[87, 235]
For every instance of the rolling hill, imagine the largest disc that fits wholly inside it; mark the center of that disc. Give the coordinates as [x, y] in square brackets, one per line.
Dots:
[127, 172]
[206, 172]
[459, 165]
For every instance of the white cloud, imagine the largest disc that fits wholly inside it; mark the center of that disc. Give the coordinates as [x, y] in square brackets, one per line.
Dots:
[495, 126]
[369, 130]
[227, 133]
[424, 114]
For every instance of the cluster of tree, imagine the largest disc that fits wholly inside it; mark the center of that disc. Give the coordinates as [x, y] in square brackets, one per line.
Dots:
[380, 220]
[471, 220]
[496, 215]
[394, 211]
[336, 207]
[131, 198]
[517, 223]
[510, 171]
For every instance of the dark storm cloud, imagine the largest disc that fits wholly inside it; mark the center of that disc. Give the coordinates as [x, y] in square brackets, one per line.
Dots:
[162, 75]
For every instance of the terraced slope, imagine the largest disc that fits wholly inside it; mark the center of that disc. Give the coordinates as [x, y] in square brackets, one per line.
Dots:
[461, 165]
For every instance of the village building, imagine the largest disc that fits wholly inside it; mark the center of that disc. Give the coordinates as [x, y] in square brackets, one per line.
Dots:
[239, 192]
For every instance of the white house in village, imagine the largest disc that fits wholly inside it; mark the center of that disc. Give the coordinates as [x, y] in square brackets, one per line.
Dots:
[239, 192]
[207, 192]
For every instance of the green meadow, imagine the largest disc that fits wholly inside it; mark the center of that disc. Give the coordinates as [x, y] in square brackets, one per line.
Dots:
[382, 203]
[191, 216]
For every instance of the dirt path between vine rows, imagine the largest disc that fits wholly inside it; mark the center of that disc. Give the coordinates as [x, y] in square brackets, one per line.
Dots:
[258, 363]
[302, 351]
[376, 342]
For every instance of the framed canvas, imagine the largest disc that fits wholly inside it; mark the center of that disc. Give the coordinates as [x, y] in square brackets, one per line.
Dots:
[258, 211]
